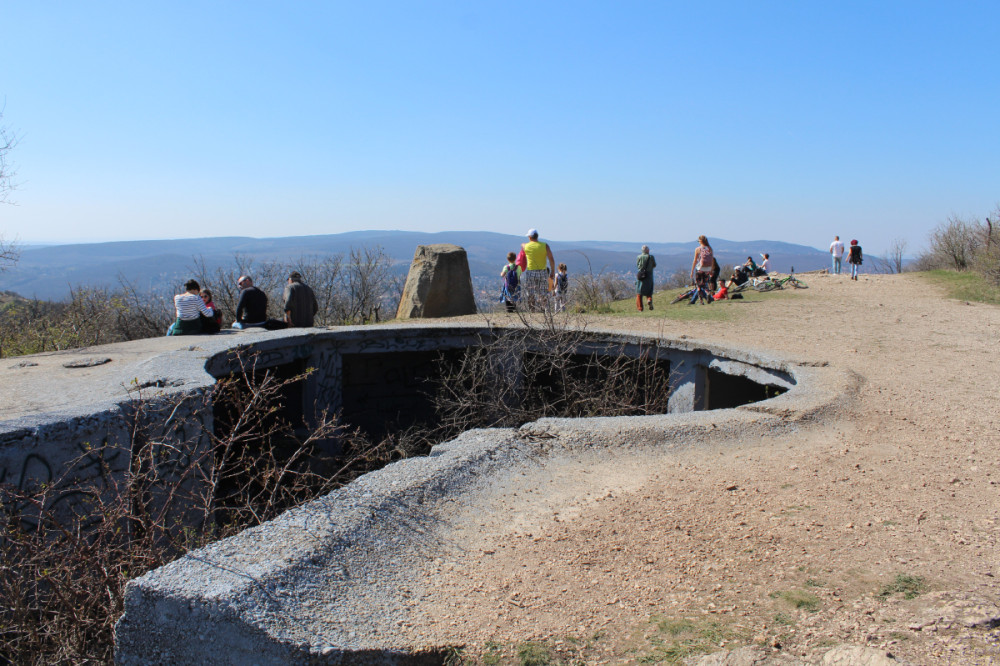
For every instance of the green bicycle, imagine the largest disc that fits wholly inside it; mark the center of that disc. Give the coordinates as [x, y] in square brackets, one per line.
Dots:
[790, 280]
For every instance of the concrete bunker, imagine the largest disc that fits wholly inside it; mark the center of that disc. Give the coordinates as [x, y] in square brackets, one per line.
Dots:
[337, 564]
[379, 379]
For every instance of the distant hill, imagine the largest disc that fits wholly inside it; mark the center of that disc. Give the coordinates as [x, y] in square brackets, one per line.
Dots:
[48, 272]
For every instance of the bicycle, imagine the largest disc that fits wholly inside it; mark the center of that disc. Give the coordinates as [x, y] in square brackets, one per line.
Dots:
[793, 281]
[684, 295]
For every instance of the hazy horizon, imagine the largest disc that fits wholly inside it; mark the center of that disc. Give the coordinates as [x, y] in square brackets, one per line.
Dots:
[644, 120]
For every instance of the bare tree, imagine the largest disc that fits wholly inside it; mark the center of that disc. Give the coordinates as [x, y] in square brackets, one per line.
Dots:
[894, 255]
[8, 139]
[9, 252]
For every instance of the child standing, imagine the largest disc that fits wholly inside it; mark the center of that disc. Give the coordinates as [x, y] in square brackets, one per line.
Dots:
[855, 259]
[562, 286]
[510, 278]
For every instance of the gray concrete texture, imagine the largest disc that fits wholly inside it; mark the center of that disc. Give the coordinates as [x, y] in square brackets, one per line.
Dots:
[334, 581]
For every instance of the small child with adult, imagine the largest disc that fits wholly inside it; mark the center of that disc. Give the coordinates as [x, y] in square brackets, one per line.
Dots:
[510, 282]
[561, 287]
[189, 307]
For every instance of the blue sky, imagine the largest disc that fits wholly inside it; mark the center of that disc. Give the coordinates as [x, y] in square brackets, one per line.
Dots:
[638, 121]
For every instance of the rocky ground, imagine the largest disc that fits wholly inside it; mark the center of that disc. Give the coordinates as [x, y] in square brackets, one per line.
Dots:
[877, 528]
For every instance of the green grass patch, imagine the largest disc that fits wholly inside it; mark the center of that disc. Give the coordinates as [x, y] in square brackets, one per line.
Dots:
[782, 619]
[799, 599]
[964, 285]
[533, 654]
[678, 639]
[909, 586]
[663, 309]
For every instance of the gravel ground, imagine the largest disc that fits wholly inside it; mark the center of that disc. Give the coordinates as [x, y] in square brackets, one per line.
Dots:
[795, 542]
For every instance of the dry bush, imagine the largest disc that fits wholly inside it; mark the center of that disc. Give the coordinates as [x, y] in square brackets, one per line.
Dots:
[961, 244]
[63, 567]
[953, 244]
[548, 368]
[358, 288]
[91, 316]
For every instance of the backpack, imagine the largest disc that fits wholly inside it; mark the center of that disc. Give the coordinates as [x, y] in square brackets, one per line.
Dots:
[511, 280]
[706, 259]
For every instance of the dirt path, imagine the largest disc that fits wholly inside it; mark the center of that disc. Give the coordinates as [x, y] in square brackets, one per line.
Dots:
[786, 541]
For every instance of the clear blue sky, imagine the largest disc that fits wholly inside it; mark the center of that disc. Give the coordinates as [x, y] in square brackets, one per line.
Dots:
[641, 121]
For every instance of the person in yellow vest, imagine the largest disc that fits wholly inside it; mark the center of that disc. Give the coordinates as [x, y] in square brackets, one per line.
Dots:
[537, 275]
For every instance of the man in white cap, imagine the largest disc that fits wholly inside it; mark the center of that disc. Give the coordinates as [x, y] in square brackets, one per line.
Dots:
[536, 276]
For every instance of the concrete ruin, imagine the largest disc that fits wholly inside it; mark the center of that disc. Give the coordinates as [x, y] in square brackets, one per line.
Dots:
[333, 581]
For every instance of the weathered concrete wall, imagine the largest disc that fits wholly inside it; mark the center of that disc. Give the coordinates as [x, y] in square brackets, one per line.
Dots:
[324, 583]
[333, 581]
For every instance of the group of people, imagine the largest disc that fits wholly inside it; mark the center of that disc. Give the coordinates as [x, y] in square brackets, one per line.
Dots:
[854, 256]
[704, 275]
[197, 314]
[531, 275]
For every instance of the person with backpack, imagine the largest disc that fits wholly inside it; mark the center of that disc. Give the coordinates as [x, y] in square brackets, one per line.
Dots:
[561, 287]
[644, 263]
[701, 271]
[855, 259]
[510, 280]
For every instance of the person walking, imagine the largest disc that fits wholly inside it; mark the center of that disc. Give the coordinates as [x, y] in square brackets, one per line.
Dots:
[300, 302]
[701, 271]
[644, 263]
[855, 259]
[536, 275]
[837, 252]
[510, 282]
[561, 288]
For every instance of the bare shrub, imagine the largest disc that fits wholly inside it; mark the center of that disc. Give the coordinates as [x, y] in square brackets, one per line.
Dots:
[91, 316]
[954, 243]
[358, 288]
[9, 253]
[682, 278]
[63, 572]
[548, 368]
[595, 292]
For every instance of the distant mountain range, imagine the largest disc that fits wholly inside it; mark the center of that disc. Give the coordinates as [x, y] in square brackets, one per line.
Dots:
[48, 272]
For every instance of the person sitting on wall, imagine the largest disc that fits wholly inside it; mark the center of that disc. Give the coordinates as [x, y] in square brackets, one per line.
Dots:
[300, 302]
[190, 307]
[251, 310]
[214, 323]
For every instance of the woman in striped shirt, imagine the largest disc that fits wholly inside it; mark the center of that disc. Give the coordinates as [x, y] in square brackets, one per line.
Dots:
[190, 307]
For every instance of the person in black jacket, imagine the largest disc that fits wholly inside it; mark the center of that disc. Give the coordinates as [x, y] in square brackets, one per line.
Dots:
[251, 310]
[855, 259]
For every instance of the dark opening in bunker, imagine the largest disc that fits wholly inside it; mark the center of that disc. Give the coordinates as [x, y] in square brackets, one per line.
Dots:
[726, 391]
[383, 392]
[404, 402]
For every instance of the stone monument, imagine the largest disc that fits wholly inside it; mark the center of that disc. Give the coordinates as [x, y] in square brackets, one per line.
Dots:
[438, 285]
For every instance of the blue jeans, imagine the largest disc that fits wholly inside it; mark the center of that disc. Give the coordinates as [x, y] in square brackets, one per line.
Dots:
[854, 270]
[836, 265]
